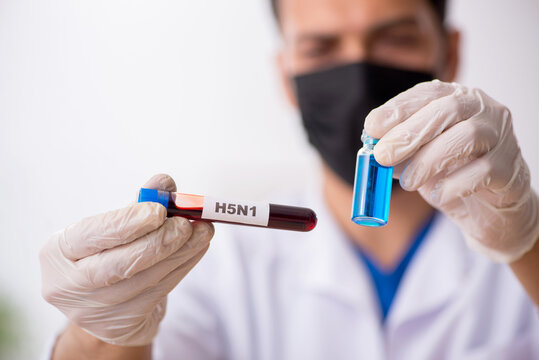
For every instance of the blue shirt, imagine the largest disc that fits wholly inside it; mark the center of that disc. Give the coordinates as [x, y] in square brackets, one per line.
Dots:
[387, 282]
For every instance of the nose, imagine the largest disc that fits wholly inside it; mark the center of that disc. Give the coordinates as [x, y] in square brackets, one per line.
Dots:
[353, 48]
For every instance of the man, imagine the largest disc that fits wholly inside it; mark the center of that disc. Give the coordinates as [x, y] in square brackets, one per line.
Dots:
[410, 290]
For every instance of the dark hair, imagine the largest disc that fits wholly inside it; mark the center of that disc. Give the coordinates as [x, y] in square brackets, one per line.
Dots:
[438, 6]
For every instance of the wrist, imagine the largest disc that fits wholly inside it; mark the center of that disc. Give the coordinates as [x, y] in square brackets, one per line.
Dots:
[75, 343]
[526, 270]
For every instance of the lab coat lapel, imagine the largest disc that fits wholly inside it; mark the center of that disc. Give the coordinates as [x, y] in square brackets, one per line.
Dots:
[334, 270]
[434, 275]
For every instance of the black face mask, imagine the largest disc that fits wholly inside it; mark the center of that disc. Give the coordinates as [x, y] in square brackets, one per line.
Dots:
[334, 103]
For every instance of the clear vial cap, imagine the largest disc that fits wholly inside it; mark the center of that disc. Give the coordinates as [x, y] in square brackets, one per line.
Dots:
[368, 140]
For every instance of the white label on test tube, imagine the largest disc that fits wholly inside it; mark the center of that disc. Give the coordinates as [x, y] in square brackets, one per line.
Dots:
[245, 212]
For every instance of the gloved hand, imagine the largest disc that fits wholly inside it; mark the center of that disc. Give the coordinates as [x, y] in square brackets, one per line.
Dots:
[110, 274]
[457, 148]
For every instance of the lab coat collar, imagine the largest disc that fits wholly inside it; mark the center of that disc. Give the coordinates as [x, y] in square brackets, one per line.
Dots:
[435, 274]
[432, 278]
[333, 268]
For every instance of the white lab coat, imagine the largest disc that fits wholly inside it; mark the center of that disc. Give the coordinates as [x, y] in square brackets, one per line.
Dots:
[277, 295]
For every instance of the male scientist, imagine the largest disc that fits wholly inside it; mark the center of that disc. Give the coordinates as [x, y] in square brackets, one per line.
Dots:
[454, 274]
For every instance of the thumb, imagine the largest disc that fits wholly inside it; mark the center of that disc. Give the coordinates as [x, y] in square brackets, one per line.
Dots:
[161, 182]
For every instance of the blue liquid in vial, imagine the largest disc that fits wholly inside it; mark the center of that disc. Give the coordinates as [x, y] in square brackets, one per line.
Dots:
[372, 192]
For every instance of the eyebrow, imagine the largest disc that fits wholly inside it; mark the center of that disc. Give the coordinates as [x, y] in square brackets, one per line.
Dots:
[378, 28]
[323, 37]
[403, 21]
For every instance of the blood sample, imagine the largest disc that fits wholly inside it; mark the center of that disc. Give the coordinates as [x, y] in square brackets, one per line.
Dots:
[198, 207]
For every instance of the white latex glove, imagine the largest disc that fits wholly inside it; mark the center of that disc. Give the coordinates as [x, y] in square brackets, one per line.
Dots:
[110, 274]
[457, 148]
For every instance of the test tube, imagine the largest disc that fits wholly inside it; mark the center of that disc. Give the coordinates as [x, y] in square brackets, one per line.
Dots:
[372, 187]
[198, 207]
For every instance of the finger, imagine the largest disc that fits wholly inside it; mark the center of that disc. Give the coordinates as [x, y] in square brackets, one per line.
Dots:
[113, 326]
[202, 233]
[449, 208]
[122, 262]
[150, 277]
[462, 183]
[173, 278]
[161, 182]
[105, 231]
[398, 169]
[479, 174]
[455, 147]
[401, 107]
[406, 138]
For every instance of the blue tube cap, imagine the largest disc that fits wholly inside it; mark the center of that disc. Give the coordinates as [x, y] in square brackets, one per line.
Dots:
[152, 195]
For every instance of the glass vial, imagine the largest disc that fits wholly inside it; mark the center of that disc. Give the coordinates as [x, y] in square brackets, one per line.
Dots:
[372, 187]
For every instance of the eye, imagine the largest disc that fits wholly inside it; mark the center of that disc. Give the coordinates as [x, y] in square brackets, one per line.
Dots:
[318, 48]
[401, 40]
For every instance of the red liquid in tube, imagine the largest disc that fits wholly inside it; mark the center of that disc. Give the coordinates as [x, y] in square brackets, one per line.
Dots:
[197, 207]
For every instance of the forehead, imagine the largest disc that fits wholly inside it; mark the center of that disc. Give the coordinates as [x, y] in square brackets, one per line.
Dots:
[345, 15]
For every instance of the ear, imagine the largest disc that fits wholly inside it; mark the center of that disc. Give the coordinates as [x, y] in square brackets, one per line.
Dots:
[285, 80]
[452, 56]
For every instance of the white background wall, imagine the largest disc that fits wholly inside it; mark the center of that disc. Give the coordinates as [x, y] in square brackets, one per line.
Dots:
[96, 96]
